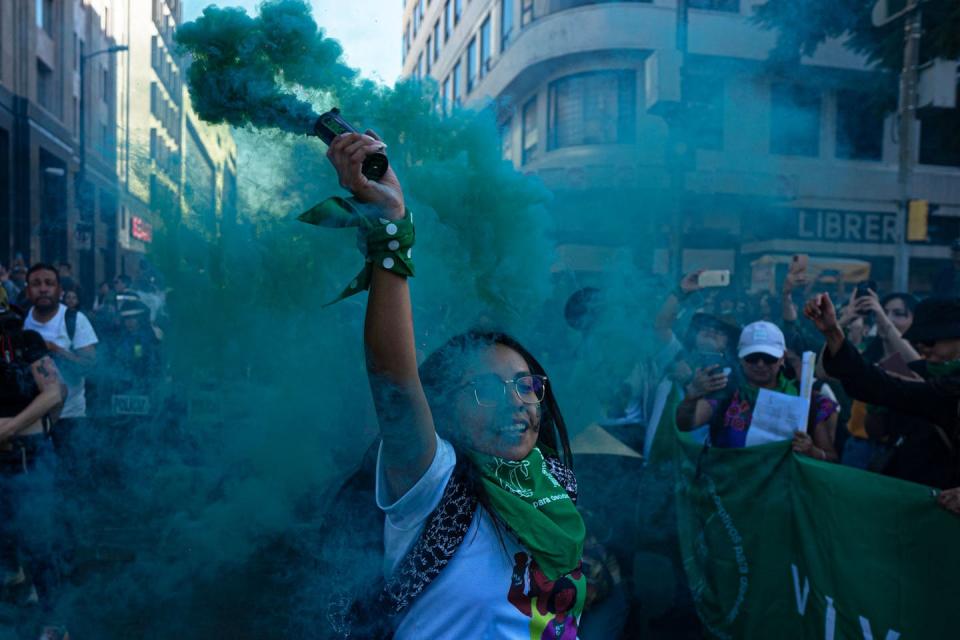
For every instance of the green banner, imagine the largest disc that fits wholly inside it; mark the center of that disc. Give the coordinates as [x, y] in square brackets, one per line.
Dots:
[781, 546]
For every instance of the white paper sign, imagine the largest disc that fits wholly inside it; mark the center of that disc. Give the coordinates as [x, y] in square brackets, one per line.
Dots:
[776, 416]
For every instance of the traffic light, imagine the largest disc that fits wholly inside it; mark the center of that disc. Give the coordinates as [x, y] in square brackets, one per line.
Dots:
[918, 217]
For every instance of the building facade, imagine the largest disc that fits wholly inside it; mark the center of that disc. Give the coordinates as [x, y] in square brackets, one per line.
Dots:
[727, 159]
[90, 194]
[46, 211]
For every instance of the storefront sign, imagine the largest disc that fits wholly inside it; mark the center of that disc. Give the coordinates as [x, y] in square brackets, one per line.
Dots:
[141, 229]
[846, 226]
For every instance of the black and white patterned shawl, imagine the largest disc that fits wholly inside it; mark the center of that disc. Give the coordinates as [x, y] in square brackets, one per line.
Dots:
[444, 532]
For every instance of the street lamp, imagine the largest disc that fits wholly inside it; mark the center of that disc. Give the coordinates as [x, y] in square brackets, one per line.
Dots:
[83, 116]
[83, 201]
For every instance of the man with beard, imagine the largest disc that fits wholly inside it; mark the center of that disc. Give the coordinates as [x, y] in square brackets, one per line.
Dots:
[71, 341]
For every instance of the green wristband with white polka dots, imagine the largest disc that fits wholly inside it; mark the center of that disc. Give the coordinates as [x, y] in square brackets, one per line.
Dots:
[389, 243]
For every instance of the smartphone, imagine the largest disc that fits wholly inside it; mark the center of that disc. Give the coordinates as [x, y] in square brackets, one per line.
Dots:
[864, 288]
[799, 263]
[720, 360]
[710, 359]
[716, 278]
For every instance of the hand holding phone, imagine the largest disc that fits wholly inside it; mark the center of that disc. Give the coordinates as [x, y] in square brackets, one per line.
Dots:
[714, 278]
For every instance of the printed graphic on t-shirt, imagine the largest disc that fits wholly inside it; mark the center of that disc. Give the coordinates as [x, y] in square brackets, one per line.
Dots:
[552, 606]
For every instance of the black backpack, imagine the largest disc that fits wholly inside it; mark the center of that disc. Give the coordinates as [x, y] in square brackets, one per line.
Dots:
[70, 318]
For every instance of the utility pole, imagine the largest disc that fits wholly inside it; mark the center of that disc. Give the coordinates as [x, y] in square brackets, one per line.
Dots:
[907, 116]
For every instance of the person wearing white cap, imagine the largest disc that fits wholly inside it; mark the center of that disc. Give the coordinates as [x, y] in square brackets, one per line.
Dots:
[728, 411]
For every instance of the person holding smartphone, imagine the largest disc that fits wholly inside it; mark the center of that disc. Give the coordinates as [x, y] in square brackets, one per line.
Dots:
[761, 352]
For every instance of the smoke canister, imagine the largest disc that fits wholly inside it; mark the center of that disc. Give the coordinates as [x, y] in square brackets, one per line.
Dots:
[331, 124]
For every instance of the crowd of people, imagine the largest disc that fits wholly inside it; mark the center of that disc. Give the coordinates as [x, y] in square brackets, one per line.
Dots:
[71, 366]
[474, 469]
[881, 356]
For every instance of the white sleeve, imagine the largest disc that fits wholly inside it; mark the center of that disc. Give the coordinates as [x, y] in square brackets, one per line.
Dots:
[411, 510]
[84, 335]
[667, 353]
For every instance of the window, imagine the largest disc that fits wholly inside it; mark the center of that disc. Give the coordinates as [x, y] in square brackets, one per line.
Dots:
[429, 51]
[716, 5]
[76, 52]
[445, 96]
[154, 100]
[471, 64]
[436, 41]
[592, 108]
[45, 15]
[416, 22]
[447, 21]
[44, 86]
[526, 13]
[420, 66]
[455, 96]
[530, 131]
[506, 23]
[485, 53]
[457, 11]
[940, 137]
[506, 140]
[859, 127]
[106, 85]
[794, 120]
[704, 96]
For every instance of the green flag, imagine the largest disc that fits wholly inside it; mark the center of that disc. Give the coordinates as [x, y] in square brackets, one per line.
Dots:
[781, 546]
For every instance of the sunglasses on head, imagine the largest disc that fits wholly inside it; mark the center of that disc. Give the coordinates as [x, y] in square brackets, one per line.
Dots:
[757, 358]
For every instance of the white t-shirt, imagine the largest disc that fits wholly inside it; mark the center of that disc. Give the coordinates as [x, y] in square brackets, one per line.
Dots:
[469, 599]
[55, 331]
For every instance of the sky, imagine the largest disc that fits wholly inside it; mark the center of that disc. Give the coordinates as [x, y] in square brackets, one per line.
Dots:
[369, 30]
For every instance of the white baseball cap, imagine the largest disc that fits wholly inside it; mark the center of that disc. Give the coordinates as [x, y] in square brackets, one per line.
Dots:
[761, 337]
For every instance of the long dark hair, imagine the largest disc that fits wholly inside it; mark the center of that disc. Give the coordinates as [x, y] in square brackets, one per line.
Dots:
[435, 376]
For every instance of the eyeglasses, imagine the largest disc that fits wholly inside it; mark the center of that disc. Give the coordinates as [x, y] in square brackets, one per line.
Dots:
[490, 390]
[757, 358]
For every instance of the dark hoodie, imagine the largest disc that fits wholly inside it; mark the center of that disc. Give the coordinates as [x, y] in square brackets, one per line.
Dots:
[936, 400]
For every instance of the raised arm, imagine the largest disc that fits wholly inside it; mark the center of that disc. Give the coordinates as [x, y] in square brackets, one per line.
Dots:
[863, 381]
[667, 315]
[47, 402]
[893, 342]
[406, 425]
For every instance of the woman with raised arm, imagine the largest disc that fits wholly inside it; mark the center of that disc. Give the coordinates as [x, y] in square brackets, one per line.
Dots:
[482, 537]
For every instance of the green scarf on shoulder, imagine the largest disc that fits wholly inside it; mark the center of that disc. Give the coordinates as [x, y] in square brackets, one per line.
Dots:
[537, 509]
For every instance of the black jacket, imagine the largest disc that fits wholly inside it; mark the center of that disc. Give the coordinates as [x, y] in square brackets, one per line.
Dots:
[936, 401]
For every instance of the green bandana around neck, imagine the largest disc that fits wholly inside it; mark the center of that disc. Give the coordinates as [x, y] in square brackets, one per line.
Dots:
[388, 242]
[943, 369]
[749, 392]
[537, 509]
